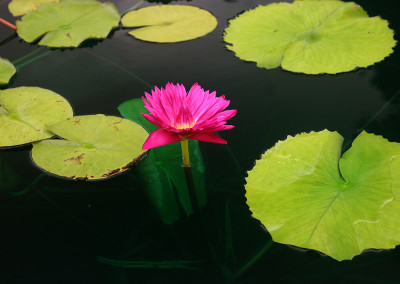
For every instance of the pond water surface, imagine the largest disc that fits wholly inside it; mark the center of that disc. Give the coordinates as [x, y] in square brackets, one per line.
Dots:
[53, 230]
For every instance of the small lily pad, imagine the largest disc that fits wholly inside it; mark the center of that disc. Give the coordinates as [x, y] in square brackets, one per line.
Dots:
[25, 112]
[69, 22]
[22, 7]
[96, 147]
[307, 196]
[7, 70]
[169, 23]
[311, 37]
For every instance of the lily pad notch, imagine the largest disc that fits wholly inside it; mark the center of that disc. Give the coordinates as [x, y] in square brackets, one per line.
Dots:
[311, 37]
[308, 196]
[7, 71]
[69, 22]
[25, 113]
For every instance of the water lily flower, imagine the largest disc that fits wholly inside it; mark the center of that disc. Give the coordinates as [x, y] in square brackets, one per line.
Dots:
[181, 115]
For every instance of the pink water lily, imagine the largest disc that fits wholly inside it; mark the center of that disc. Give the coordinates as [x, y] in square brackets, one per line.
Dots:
[181, 115]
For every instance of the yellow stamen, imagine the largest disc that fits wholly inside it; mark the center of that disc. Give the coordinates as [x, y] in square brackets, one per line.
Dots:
[183, 126]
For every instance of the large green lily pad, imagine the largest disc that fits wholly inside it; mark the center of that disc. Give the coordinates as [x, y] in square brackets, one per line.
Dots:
[7, 70]
[25, 113]
[169, 23]
[96, 147]
[69, 22]
[307, 196]
[311, 37]
[22, 7]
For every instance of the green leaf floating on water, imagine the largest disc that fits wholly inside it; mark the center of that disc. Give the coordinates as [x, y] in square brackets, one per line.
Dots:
[69, 22]
[169, 23]
[7, 70]
[25, 112]
[132, 110]
[96, 147]
[307, 196]
[310, 37]
[22, 7]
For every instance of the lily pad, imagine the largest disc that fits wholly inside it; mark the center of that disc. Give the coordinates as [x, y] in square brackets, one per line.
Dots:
[7, 70]
[307, 196]
[69, 22]
[96, 147]
[22, 7]
[169, 23]
[25, 112]
[311, 37]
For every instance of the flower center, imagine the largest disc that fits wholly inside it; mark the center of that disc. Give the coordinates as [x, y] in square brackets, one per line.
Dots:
[184, 125]
[183, 119]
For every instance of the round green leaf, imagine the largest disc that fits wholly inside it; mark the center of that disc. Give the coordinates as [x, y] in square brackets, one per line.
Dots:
[311, 37]
[7, 70]
[307, 196]
[69, 22]
[22, 7]
[169, 23]
[96, 147]
[25, 112]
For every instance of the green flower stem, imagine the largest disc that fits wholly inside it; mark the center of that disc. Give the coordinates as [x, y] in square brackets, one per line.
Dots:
[185, 153]
[377, 114]
[198, 218]
[8, 24]
[189, 177]
[29, 186]
[133, 7]
[119, 67]
[27, 55]
[251, 262]
[33, 59]
[192, 192]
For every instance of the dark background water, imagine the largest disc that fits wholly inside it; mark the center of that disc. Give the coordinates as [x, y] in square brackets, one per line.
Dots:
[53, 232]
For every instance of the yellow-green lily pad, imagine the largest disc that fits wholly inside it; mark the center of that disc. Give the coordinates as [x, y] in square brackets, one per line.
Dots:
[69, 22]
[307, 196]
[96, 147]
[25, 113]
[22, 7]
[169, 23]
[7, 70]
[311, 37]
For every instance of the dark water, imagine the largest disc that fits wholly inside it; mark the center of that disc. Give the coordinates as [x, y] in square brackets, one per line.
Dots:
[53, 232]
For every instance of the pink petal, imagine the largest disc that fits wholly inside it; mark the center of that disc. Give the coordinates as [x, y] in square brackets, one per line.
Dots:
[221, 127]
[147, 105]
[228, 114]
[210, 108]
[207, 137]
[149, 99]
[196, 98]
[160, 137]
[152, 119]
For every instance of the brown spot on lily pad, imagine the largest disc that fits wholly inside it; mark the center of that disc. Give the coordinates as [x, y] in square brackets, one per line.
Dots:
[76, 159]
[124, 168]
